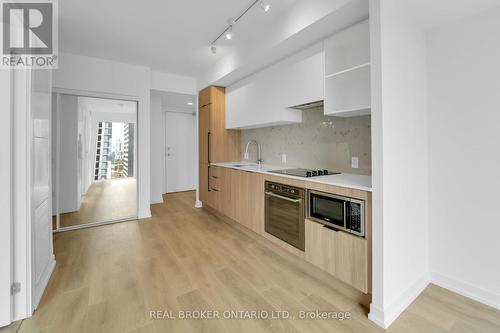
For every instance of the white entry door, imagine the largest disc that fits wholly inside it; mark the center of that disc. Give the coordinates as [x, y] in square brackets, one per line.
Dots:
[180, 152]
[43, 261]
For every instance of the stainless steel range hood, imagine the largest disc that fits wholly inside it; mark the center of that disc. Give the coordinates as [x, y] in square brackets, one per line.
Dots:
[306, 106]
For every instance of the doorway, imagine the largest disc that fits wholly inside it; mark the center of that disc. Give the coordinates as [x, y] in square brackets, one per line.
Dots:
[180, 155]
[94, 167]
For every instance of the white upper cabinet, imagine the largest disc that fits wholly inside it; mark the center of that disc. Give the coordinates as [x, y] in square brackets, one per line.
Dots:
[347, 72]
[263, 99]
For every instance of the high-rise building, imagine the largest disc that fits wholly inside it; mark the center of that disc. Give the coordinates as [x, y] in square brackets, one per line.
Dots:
[103, 150]
[128, 150]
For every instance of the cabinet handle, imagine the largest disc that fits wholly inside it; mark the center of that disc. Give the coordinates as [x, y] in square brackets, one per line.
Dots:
[215, 177]
[208, 178]
[330, 228]
[208, 142]
[271, 194]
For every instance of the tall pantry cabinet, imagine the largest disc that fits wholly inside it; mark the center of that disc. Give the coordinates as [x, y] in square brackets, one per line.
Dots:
[216, 144]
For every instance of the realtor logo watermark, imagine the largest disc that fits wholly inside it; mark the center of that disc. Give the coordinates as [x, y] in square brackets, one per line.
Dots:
[29, 34]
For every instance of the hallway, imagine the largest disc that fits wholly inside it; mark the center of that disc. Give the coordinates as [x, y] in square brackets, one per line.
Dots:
[105, 200]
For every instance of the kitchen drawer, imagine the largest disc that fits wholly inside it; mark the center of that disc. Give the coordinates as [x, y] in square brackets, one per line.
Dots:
[216, 184]
[320, 246]
[351, 260]
[339, 253]
[216, 172]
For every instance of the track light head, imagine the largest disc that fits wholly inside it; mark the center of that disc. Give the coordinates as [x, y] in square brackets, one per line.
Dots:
[213, 49]
[265, 6]
[229, 32]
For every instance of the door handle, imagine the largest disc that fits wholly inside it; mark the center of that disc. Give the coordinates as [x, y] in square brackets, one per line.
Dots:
[271, 194]
[208, 142]
[208, 178]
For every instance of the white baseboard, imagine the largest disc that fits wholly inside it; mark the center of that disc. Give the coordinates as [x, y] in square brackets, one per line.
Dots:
[467, 290]
[377, 316]
[44, 281]
[145, 214]
[385, 317]
[156, 199]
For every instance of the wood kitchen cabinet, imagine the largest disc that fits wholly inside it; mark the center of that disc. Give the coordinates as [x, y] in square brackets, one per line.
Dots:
[247, 199]
[351, 260]
[238, 195]
[341, 254]
[320, 246]
[219, 195]
[216, 144]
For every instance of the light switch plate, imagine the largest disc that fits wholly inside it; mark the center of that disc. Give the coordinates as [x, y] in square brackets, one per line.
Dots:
[355, 162]
[283, 158]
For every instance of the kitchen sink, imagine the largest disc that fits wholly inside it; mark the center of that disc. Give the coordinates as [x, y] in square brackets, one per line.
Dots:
[242, 165]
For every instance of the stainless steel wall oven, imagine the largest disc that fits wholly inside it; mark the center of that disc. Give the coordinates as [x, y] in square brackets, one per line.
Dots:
[285, 210]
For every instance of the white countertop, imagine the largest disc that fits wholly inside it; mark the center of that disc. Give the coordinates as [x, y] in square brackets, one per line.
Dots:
[348, 180]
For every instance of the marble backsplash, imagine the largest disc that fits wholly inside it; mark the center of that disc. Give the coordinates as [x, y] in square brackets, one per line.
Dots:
[319, 142]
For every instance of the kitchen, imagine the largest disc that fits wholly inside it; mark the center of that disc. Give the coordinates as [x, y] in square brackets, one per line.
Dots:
[322, 214]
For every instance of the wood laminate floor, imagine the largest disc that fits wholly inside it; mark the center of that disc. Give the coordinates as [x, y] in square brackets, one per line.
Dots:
[109, 278]
[106, 200]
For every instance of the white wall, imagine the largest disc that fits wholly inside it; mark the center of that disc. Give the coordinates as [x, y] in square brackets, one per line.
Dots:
[158, 147]
[464, 138]
[114, 79]
[173, 83]
[69, 194]
[400, 177]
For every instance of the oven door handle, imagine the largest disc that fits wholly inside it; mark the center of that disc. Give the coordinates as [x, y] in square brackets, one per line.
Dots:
[283, 197]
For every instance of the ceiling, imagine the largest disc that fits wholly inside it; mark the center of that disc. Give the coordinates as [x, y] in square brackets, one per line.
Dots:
[107, 105]
[431, 13]
[176, 102]
[170, 36]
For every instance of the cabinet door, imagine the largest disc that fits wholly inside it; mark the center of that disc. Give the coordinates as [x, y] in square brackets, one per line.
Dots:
[204, 134]
[263, 99]
[320, 246]
[226, 198]
[205, 97]
[236, 189]
[351, 260]
[214, 188]
[255, 202]
[203, 179]
[247, 199]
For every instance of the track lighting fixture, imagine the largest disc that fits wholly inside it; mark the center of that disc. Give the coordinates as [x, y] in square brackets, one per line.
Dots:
[228, 32]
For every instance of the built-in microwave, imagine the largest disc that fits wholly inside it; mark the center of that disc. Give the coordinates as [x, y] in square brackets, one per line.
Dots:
[337, 212]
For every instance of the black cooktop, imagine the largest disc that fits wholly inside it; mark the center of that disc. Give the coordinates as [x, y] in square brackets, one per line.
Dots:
[305, 172]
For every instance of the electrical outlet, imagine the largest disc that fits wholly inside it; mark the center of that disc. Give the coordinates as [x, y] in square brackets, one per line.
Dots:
[283, 158]
[355, 162]
[245, 156]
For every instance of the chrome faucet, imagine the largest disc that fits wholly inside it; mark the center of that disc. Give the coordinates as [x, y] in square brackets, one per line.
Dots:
[259, 157]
